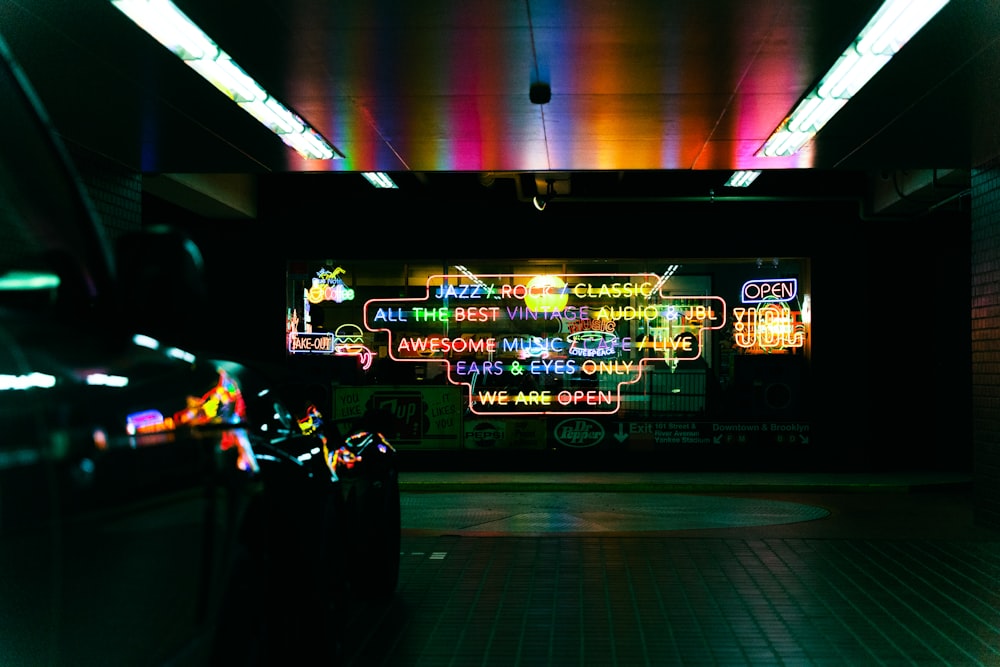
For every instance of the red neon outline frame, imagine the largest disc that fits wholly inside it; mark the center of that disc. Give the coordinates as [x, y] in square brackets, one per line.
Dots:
[445, 278]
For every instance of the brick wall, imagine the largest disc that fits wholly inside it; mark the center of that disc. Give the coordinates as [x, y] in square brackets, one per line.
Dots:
[986, 341]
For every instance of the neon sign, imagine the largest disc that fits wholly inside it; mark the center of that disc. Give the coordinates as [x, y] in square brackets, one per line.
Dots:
[329, 286]
[542, 344]
[777, 289]
[545, 294]
[348, 341]
[321, 343]
[768, 327]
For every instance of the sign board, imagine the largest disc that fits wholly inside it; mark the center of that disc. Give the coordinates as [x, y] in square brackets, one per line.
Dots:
[426, 417]
[506, 433]
[520, 344]
[657, 435]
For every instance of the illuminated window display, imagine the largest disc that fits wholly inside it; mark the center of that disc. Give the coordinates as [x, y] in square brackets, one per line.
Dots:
[529, 344]
[649, 347]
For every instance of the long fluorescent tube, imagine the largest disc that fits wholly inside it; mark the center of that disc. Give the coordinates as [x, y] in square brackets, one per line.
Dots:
[742, 178]
[379, 179]
[173, 29]
[893, 25]
[16, 281]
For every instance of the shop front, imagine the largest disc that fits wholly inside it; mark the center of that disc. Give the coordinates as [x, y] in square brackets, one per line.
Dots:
[570, 355]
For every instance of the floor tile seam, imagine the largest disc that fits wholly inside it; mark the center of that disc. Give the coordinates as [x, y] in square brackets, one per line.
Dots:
[869, 609]
[714, 535]
[957, 589]
[640, 487]
[922, 589]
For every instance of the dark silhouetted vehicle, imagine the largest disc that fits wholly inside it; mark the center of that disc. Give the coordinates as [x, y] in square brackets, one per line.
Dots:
[157, 505]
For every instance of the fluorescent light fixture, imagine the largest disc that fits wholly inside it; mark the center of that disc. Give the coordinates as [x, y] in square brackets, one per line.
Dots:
[173, 29]
[103, 379]
[892, 26]
[379, 179]
[177, 353]
[742, 178]
[143, 340]
[34, 380]
[16, 281]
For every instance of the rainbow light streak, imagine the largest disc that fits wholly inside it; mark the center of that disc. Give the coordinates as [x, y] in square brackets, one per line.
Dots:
[598, 30]
[304, 84]
[461, 146]
[694, 130]
[747, 119]
[351, 118]
[493, 58]
[670, 152]
[473, 119]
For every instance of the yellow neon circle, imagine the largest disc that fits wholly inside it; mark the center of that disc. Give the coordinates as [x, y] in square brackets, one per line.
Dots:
[546, 294]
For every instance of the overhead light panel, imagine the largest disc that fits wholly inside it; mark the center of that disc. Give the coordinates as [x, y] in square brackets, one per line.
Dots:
[17, 281]
[890, 28]
[379, 179]
[742, 178]
[173, 29]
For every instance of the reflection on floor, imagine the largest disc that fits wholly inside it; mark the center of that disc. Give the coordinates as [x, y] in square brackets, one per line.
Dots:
[549, 512]
[888, 575]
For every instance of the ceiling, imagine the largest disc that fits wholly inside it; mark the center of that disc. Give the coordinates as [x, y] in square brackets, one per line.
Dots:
[649, 98]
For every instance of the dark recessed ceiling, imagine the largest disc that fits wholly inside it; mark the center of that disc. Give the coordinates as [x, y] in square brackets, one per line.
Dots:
[688, 89]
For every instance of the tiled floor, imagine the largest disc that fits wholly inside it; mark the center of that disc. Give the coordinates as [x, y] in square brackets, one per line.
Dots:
[893, 575]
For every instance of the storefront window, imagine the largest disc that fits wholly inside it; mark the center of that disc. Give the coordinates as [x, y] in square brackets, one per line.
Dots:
[478, 353]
